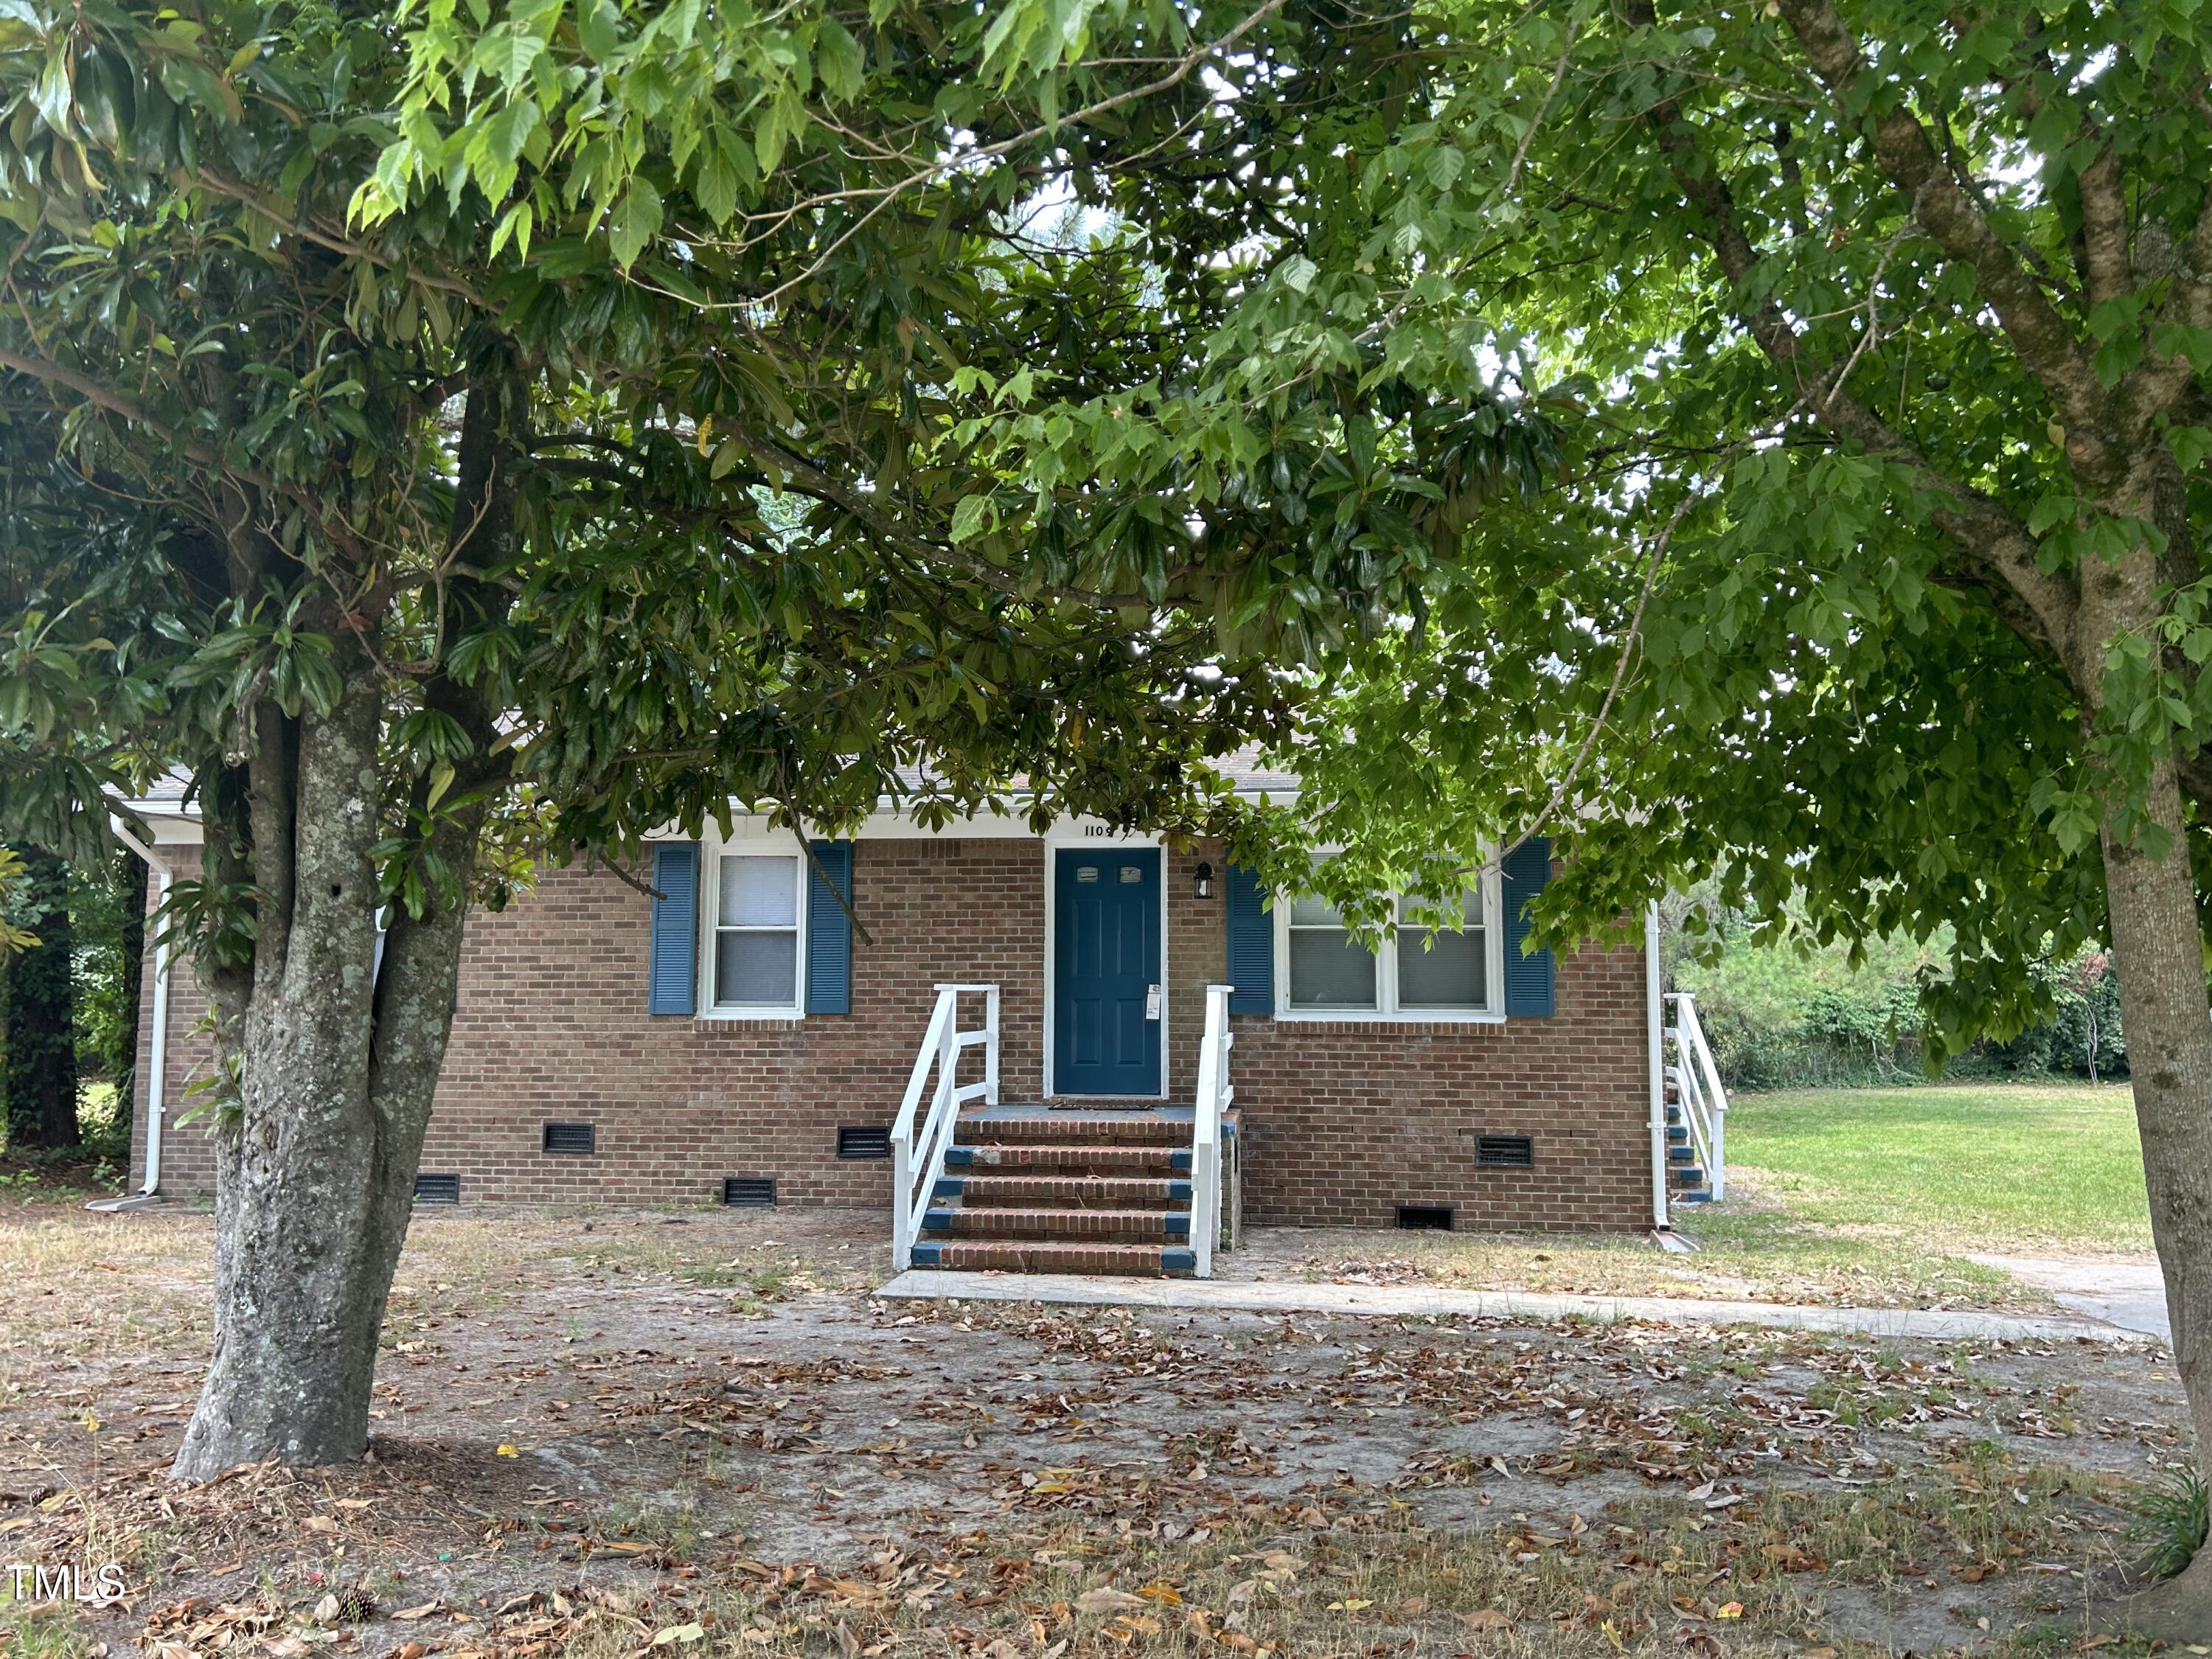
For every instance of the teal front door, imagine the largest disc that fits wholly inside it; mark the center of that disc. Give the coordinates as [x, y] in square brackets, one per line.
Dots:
[1107, 993]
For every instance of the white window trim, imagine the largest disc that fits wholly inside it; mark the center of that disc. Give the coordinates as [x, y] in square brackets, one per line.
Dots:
[1386, 977]
[743, 841]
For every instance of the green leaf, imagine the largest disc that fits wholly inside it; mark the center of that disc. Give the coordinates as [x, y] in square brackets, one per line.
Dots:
[714, 184]
[507, 54]
[635, 222]
[973, 516]
[598, 29]
[2116, 357]
[837, 61]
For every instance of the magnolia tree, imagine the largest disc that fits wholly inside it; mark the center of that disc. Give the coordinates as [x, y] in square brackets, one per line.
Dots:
[1873, 338]
[451, 437]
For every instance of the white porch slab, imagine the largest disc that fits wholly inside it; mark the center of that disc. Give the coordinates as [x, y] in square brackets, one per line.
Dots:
[1420, 1300]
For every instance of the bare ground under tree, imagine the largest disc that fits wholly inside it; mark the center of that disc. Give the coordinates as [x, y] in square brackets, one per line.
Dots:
[592, 1430]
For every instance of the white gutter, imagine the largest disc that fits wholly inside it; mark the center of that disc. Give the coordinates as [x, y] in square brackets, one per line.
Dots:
[1653, 1013]
[157, 1058]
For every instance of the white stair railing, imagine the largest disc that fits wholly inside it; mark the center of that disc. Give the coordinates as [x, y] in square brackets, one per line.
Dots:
[918, 1155]
[1214, 1094]
[1699, 1092]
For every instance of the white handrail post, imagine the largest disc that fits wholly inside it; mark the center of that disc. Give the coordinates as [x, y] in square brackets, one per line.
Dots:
[948, 1047]
[991, 1047]
[1212, 1092]
[902, 1229]
[1720, 1150]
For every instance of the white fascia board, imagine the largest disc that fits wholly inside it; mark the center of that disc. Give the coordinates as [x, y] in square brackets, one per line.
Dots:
[888, 823]
[166, 824]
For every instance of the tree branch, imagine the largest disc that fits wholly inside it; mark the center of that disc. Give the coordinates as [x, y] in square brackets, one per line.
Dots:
[2107, 267]
[2045, 341]
[277, 212]
[813, 481]
[103, 396]
[1987, 532]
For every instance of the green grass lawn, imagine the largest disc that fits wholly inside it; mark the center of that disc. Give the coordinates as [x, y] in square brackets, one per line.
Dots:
[2008, 1168]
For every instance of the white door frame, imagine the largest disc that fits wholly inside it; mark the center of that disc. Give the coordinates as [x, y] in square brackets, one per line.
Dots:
[1071, 838]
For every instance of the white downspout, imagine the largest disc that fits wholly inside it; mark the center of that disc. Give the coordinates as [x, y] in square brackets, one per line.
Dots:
[157, 1058]
[1653, 1013]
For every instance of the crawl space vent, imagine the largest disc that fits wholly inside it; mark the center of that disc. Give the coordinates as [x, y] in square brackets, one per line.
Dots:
[864, 1140]
[749, 1191]
[1505, 1152]
[579, 1138]
[437, 1189]
[1424, 1218]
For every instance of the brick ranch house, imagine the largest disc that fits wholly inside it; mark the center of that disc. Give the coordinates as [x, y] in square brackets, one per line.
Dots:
[1142, 1052]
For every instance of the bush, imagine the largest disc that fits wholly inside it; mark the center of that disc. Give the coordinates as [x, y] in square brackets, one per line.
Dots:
[1795, 1016]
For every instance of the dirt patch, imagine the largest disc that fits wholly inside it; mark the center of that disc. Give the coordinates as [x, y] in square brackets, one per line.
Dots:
[1751, 1249]
[596, 1430]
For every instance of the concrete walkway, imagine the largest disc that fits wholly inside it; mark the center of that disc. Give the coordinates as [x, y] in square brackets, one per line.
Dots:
[1399, 1300]
[2128, 1294]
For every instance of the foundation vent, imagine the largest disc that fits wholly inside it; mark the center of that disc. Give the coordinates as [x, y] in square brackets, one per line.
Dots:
[1424, 1218]
[1505, 1152]
[864, 1140]
[749, 1191]
[580, 1138]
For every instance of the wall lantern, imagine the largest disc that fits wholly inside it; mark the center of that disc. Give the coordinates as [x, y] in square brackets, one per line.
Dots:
[1201, 882]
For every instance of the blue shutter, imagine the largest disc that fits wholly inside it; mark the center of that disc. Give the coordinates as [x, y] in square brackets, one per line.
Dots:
[1251, 944]
[830, 931]
[1528, 978]
[674, 968]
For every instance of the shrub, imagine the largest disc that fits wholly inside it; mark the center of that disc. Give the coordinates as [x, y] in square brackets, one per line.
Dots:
[1799, 1016]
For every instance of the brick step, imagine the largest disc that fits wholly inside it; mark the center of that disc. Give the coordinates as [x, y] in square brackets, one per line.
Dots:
[1061, 1192]
[1070, 1129]
[1683, 1153]
[1071, 1159]
[1071, 1226]
[1030, 1256]
[1685, 1175]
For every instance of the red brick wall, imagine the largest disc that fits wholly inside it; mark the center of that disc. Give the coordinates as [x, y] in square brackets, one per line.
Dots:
[1342, 1122]
[551, 1024]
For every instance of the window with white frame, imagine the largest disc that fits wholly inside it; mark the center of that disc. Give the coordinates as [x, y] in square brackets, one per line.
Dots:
[756, 956]
[1419, 972]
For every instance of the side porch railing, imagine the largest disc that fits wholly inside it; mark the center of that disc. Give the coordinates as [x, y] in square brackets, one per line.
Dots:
[918, 1148]
[1696, 1081]
[1207, 1168]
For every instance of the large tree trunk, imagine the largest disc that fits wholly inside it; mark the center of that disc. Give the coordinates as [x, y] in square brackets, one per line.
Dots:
[40, 1078]
[2158, 956]
[315, 1173]
[2163, 1006]
[305, 1237]
[337, 1059]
